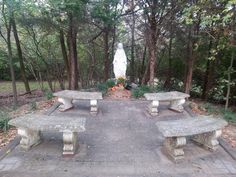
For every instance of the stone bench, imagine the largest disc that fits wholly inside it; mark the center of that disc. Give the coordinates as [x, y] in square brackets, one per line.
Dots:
[30, 126]
[66, 97]
[177, 99]
[203, 129]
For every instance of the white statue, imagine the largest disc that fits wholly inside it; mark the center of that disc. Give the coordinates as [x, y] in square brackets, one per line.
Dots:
[120, 62]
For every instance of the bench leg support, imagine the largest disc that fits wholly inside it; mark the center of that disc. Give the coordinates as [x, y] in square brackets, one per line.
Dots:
[28, 138]
[208, 140]
[93, 107]
[67, 103]
[153, 108]
[69, 142]
[174, 147]
[177, 105]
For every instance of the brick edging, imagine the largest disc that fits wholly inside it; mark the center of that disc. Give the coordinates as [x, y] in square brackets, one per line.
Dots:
[228, 148]
[9, 147]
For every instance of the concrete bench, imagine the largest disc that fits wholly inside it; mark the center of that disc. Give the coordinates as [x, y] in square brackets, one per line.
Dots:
[30, 126]
[66, 97]
[203, 129]
[177, 99]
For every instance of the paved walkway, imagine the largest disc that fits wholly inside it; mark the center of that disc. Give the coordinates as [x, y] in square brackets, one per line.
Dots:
[121, 141]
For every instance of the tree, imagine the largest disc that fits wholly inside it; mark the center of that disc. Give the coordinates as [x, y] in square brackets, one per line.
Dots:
[7, 20]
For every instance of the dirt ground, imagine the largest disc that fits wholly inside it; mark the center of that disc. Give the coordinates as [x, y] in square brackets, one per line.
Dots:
[229, 132]
[39, 107]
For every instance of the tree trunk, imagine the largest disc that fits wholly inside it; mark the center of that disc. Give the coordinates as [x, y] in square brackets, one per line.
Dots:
[72, 36]
[152, 45]
[141, 73]
[189, 64]
[146, 75]
[132, 72]
[9, 50]
[22, 66]
[64, 55]
[229, 80]
[168, 79]
[106, 54]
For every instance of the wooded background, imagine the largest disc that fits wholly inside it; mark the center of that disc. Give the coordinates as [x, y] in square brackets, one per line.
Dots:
[187, 45]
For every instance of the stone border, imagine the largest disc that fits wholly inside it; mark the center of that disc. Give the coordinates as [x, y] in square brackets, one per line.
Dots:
[9, 147]
[228, 148]
[12, 144]
[52, 109]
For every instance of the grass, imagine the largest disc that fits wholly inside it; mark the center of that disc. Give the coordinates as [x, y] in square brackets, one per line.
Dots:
[6, 86]
[228, 114]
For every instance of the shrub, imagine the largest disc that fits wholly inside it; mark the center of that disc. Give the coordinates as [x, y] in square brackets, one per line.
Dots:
[110, 83]
[33, 105]
[229, 115]
[102, 87]
[4, 119]
[121, 80]
[140, 91]
[48, 94]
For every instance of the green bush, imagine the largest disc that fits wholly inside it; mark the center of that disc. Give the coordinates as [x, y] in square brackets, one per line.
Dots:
[121, 80]
[48, 94]
[110, 83]
[140, 91]
[4, 119]
[228, 115]
[102, 87]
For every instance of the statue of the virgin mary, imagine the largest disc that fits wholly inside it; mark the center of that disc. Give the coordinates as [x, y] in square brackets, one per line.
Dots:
[120, 62]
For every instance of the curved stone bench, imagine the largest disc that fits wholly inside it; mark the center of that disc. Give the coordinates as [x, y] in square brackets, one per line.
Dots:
[66, 97]
[30, 126]
[177, 99]
[204, 130]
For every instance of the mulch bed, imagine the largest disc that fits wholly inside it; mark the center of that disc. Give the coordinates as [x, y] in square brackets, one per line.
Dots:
[229, 132]
[118, 93]
[41, 106]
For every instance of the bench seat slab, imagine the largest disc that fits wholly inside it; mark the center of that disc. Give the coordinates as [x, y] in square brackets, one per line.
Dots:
[177, 105]
[208, 140]
[67, 103]
[29, 137]
[69, 142]
[174, 147]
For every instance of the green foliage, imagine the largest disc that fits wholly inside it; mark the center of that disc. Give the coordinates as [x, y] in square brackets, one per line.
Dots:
[4, 119]
[140, 91]
[102, 87]
[110, 83]
[196, 90]
[48, 94]
[228, 114]
[121, 80]
[33, 106]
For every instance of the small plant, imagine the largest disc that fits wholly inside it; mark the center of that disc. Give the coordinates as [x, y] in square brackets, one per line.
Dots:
[48, 94]
[102, 87]
[4, 119]
[33, 106]
[140, 91]
[121, 81]
[229, 115]
[110, 83]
